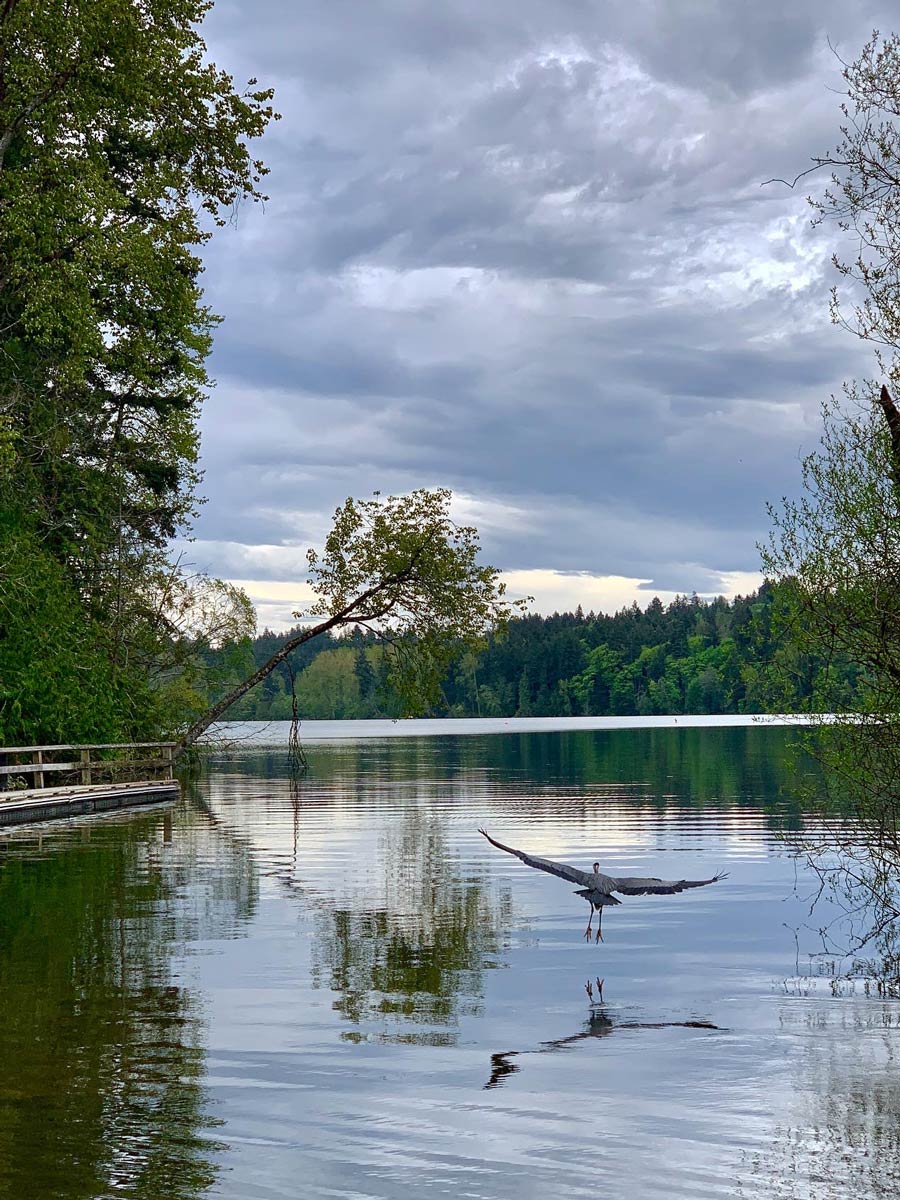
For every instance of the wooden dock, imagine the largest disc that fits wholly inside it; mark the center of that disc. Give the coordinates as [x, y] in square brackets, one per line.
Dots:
[43, 783]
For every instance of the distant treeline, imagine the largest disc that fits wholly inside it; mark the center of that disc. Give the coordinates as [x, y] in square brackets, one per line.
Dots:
[691, 656]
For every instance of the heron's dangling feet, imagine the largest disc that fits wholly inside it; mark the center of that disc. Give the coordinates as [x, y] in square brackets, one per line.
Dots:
[599, 937]
[588, 931]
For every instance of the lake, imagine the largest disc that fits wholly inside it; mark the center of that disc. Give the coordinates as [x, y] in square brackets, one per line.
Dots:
[334, 987]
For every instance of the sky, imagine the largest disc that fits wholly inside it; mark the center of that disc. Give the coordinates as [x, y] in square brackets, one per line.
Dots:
[526, 250]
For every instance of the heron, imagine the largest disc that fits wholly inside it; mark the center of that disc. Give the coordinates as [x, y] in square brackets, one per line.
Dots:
[597, 887]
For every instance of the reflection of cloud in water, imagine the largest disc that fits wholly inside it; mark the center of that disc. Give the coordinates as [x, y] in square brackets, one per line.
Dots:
[379, 893]
[402, 930]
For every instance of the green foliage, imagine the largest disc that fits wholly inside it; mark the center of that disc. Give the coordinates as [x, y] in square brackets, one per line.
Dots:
[411, 576]
[400, 569]
[57, 684]
[120, 147]
[329, 687]
[562, 665]
[593, 687]
[115, 135]
[836, 551]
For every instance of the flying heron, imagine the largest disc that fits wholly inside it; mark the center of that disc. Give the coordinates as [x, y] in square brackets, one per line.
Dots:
[598, 888]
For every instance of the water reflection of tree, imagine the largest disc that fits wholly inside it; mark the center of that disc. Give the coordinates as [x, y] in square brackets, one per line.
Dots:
[743, 767]
[839, 1136]
[401, 936]
[411, 951]
[406, 955]
[860, 927]
[846, 844]
[101, 1049]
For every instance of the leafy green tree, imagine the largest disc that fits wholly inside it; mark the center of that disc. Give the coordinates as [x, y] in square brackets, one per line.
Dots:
[706, 692]
[666, 696]
[402, 569]
[47, 656]
[837, 554]
[523, 708]
[365, 678]
[329, 687]
[863, 196]
[116, 138]
[757, 670]
[593, 686]
[121, 147]
[836, 551]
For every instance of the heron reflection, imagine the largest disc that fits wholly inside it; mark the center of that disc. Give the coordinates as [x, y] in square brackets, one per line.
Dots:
[600, 1023]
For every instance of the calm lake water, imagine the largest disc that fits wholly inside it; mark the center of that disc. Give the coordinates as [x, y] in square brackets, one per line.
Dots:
[336, 988]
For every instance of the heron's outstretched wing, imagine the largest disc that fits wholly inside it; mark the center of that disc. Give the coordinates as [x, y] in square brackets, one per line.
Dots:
[543, 864]
[635, 885]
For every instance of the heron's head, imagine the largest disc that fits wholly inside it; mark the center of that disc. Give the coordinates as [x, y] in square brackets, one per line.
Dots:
[596, 868]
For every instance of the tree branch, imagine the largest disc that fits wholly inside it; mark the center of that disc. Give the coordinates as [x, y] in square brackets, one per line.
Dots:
[56, 86]
[345, 616]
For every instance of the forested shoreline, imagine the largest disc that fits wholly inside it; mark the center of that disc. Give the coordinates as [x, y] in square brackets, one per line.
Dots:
[690, 656]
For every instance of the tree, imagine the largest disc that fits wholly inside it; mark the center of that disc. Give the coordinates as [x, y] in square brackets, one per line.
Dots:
[121, 147]
[593, 686]
[837, 553]
[402, 569]
[836, 550]
[366, 679]
[329, 689]
[864, 193]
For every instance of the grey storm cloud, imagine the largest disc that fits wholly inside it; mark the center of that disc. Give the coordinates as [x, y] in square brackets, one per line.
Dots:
[523, 250]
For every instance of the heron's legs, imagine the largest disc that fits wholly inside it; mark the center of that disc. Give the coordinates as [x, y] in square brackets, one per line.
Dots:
[599, 937]
[589, 988]
[587, 932]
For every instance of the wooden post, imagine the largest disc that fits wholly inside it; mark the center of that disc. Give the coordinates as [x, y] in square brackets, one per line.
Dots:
[38, 760]
[86, 767]
[168, 755]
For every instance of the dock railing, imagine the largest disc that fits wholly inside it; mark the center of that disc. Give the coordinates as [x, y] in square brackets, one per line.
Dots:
[84, 765]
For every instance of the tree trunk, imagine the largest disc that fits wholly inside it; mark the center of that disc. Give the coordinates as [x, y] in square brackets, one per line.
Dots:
[893, 420]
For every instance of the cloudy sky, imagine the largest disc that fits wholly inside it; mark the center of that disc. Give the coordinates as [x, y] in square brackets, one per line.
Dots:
[521, 249]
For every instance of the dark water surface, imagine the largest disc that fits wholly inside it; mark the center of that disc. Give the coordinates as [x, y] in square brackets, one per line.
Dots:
[338, 989]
